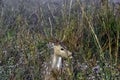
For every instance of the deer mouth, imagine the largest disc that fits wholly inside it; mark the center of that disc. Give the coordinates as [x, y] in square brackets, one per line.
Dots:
[70, 56]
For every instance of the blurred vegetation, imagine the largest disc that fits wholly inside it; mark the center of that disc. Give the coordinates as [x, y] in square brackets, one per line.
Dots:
[90, 31]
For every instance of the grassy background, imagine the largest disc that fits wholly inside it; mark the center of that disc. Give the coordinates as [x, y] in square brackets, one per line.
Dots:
[91, 31]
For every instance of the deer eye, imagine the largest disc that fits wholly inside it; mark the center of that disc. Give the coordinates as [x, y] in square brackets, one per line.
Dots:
[62, 48]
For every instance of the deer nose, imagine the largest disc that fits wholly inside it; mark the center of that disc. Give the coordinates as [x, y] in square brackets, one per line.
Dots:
[72, 54]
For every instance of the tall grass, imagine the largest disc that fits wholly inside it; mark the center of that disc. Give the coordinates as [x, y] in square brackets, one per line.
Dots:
[90, 31]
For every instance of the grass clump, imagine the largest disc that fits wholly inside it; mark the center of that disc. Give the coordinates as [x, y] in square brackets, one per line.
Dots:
[91, 31]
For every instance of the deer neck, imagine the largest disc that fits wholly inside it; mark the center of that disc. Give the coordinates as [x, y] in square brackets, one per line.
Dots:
[56, 62]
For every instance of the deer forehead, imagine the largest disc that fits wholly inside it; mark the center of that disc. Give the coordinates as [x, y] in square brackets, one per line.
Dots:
[58, 47]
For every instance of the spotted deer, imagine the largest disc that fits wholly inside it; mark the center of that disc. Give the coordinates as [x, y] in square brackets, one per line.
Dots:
[60, 53]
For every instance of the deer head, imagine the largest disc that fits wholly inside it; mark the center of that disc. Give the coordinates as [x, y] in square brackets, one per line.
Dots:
[61, 51]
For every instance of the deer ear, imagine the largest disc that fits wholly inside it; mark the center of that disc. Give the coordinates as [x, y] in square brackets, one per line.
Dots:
[50, 45]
